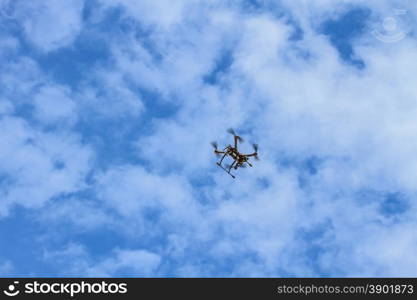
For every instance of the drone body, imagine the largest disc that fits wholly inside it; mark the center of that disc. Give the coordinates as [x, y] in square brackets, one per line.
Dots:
[240, 160]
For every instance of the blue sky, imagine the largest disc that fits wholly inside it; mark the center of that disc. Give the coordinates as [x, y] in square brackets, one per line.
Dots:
[108, 108]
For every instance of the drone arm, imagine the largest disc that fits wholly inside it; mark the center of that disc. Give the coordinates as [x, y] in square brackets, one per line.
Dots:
[252, 154]
[236, 138]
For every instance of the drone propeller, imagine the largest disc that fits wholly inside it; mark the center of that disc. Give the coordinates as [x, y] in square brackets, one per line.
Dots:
[214, 144]
[231, 131]
[255, 147]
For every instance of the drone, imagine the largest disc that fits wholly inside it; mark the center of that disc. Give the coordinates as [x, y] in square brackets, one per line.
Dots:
[239, 160]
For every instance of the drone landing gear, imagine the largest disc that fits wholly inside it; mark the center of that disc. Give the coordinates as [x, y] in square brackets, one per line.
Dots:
[227, 171]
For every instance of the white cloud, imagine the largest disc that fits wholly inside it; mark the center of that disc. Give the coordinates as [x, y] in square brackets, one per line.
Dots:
[76, 260]
[131, 191]
[50, 25]
[20, 77]
[138, 262]
[70, 250]
[79, 211]
[114, 98]
[53, 105]
[162, 14]
[38, 166]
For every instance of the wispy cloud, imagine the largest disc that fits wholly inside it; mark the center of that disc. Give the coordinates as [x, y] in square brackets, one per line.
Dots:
[50, 25]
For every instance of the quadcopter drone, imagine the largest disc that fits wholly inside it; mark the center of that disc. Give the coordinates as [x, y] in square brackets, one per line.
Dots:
[239, 160]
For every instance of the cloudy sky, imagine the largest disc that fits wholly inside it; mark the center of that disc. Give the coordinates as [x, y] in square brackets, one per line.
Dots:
[108, 108]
